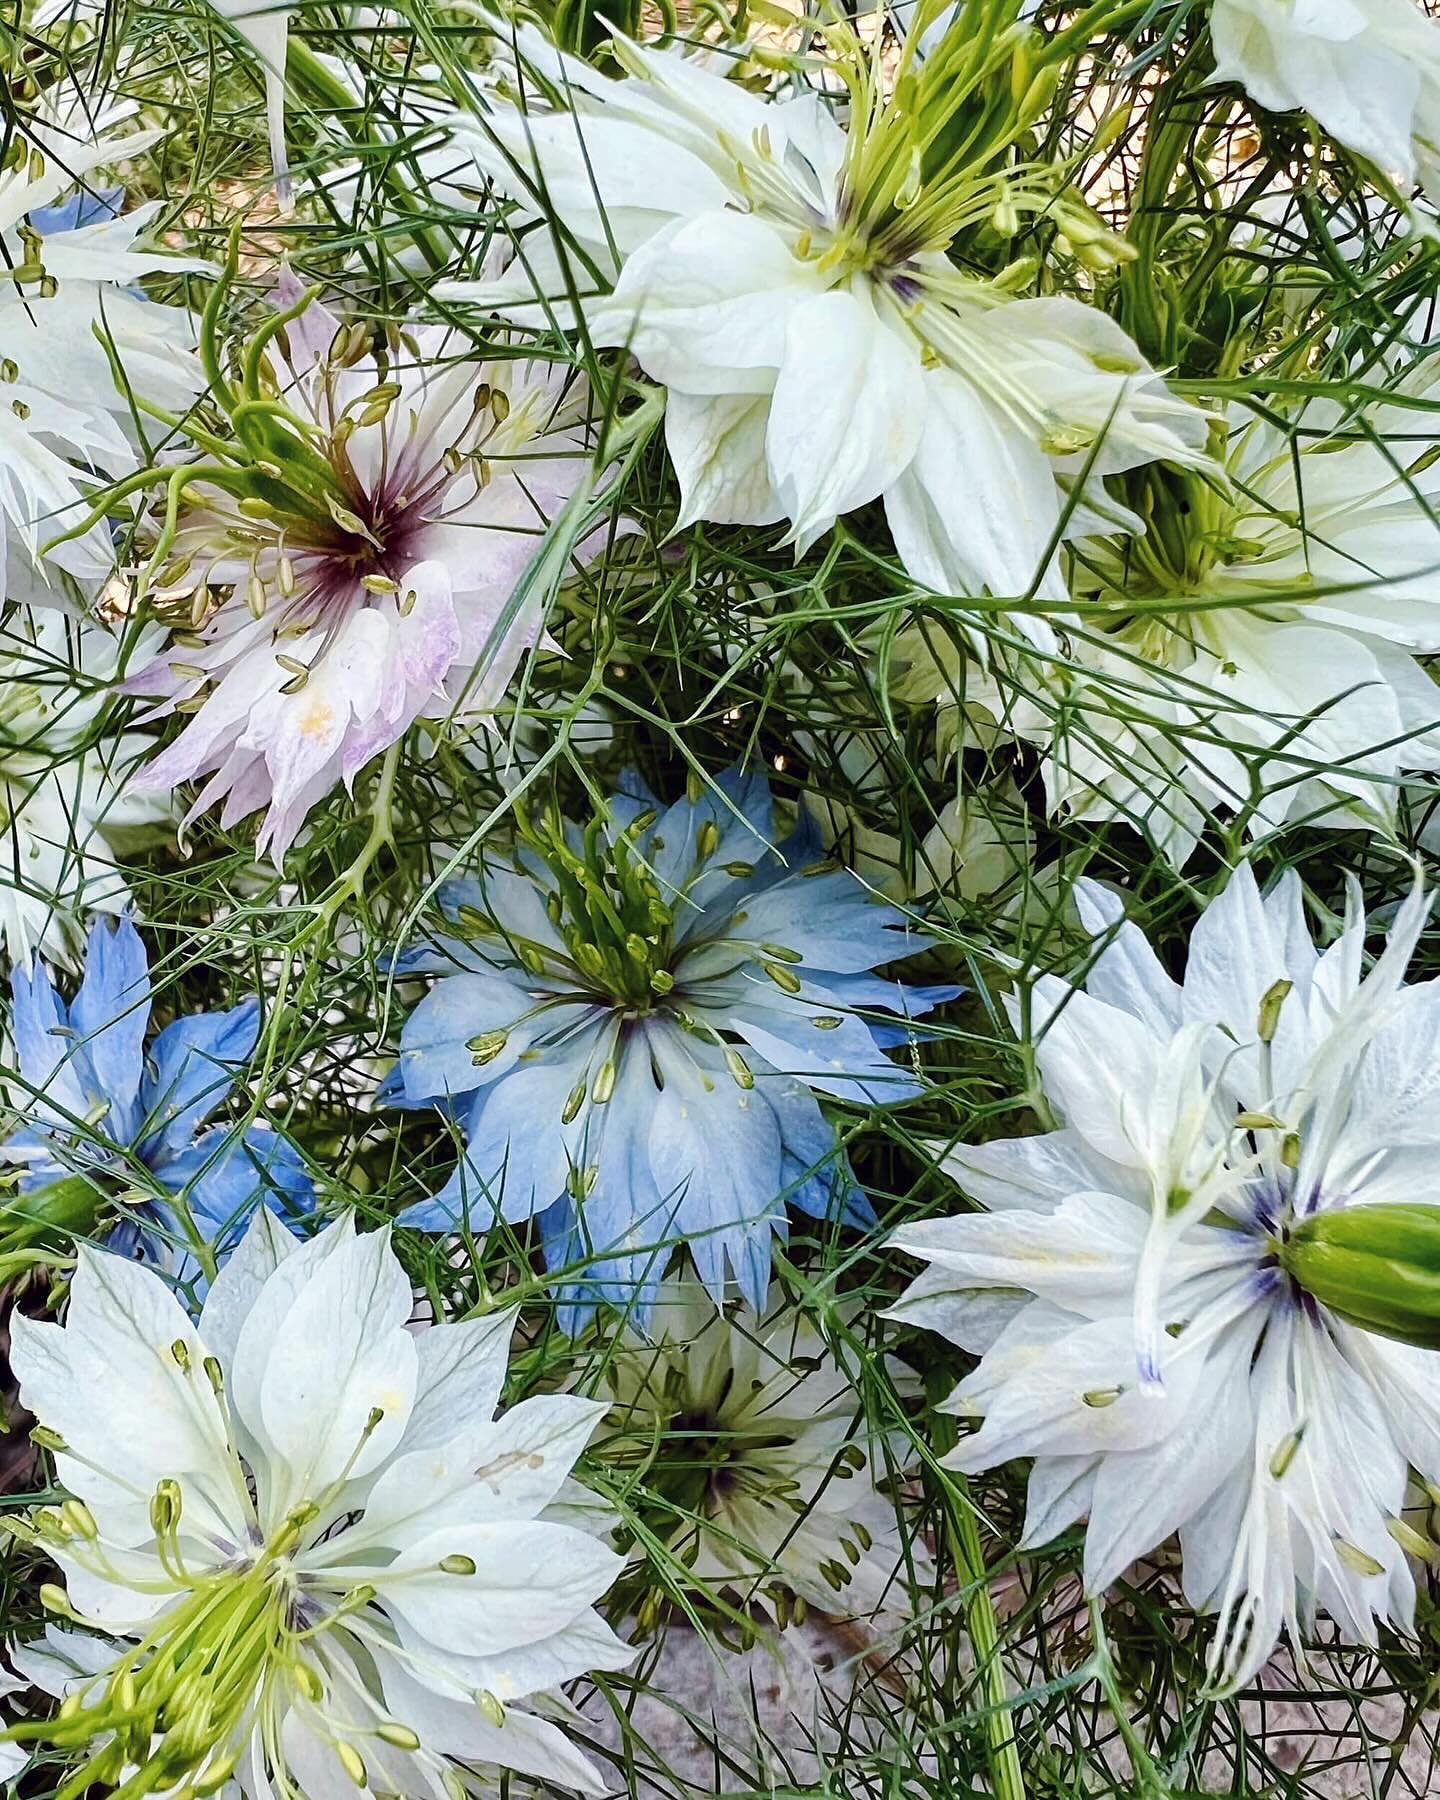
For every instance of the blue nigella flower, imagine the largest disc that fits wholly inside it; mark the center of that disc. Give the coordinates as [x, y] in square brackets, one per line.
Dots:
[131, 1119]
[632, 1024]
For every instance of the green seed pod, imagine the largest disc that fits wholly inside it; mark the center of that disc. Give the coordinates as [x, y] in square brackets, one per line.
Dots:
[1376, 1266]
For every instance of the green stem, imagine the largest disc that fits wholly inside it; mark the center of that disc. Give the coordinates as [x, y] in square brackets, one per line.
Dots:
[1149, 1783]
[1006, 1779]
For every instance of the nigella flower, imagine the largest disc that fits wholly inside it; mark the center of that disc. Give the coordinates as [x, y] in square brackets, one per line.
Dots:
[64, 307]
[1367, 72]
[128, 1118]
[359, 569]
[1252, 650]
[751, 1439]
[1135, 1292]
[315, 1561]
[790, 280]
[632, 1024]
[65, 802]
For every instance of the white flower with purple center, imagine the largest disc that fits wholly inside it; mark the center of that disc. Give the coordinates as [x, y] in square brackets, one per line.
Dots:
[633, 1024]
[800, 287]
[302, 1555]
[1134, 1291]
[749, 1436]
[351, 564]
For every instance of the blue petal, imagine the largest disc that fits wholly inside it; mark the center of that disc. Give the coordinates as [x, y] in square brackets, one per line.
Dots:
[191, 1069]
[843, 1059]
[628, 1210]
[746, 838]
[877, 992]
[632, 797]
[84, 208]
[516, 1157]
[832, 922]
[515, 900]
[50, 1059]
[40, 1165]
[817, 1174]
[226, 1174]
[436, 1060]
[719, 1148]
[110, 1014]
[629, 1284]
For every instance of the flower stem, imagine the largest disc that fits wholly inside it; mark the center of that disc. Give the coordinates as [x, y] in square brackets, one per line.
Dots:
[1006, 1779]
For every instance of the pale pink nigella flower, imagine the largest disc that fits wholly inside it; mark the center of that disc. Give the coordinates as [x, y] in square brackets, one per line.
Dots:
[358, 569]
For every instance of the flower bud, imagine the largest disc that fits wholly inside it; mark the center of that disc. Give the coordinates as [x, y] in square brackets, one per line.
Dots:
[1375, 1266]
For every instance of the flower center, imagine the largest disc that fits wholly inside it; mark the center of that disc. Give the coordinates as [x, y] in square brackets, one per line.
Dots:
[172, 1704]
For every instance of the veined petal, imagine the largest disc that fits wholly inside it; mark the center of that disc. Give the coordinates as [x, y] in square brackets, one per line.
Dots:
[847, 410]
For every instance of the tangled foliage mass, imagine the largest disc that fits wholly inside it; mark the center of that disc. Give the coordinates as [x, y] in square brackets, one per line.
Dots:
[718, 732]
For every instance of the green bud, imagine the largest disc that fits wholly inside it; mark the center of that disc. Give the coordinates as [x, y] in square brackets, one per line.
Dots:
[401, 1736]
[352, 1763]
[1376, 1266]
[782, 977]
[1270, 1003]
[69, 1205]
[486, 1047]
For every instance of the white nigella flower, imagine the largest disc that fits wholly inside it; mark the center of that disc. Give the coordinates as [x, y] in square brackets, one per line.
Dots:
[64, 793]
[1253, 649]
[315, 1560]
[1131, 1292]
[359, 565]
[791, 284]
[1367, 72]
[753, 1442]
[67, 272]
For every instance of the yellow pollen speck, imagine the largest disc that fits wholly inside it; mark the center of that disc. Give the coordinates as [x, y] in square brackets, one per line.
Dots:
[316, 719]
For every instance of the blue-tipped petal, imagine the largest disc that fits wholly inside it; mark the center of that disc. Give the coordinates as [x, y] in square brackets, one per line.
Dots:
[109, 1015]
[50, 1059]
[191, 1069]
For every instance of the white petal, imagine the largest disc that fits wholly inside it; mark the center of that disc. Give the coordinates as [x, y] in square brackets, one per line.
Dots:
[461, 1372]
[110, 1382]
[511, 1469]
[978, 508]
[530, 1581]
[339, 1355]
[847, 410]
[265, 1245]
[718, 448]
[703, 307]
